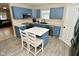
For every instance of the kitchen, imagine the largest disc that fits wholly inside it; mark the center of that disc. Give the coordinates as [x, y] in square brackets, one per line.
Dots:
[49, 16]
[43, 18]
[40, 17]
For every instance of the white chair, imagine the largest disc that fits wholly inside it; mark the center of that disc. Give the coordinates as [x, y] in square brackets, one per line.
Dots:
[35, 43]
[24, 40]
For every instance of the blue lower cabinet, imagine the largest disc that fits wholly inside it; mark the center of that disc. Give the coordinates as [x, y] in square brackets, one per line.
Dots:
[55, 31]
[17, 30]
[45, 26]
[44, 37]
[30, 26]
[42, 25]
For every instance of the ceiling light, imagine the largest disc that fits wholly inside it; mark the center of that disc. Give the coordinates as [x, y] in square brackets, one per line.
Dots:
[4, 7]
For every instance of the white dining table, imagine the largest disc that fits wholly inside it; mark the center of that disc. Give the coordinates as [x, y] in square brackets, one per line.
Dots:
[39, 31]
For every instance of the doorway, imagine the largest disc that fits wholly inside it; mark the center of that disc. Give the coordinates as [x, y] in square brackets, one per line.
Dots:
[5, 22]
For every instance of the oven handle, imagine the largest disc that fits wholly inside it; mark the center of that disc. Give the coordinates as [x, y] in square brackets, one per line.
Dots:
[72, 41]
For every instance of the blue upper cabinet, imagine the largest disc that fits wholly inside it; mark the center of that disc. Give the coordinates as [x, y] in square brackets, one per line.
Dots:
[36, 13]
[28, 11]
[56, 13]
[18, 12]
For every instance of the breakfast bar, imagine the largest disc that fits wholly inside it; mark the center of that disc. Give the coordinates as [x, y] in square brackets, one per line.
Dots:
[40, 32]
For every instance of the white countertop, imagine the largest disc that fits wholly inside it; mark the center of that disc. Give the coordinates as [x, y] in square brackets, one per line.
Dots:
[37, 30]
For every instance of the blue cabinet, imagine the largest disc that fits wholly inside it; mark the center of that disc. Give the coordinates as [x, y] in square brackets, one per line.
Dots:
[27, 11]
[18, 12]
[55, 31]
[56, 13]
[17, 30]
[23, 27]
[42, 25]
[44, 37]
[36, 13]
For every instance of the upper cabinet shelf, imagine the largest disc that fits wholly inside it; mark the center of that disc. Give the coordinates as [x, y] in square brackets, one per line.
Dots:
[18, 12]
[56, 13]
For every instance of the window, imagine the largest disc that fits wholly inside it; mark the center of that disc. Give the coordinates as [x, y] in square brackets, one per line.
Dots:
[45, 14]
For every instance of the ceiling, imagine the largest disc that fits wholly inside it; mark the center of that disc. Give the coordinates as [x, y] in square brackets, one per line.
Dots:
[38, 4]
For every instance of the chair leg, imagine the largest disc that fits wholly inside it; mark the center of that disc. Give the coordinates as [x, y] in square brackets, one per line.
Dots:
[28, 47]
[42, 46]
[35, 51]
[22, 44]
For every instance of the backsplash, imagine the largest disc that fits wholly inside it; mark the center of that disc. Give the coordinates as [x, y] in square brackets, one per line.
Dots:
[53, 22]
[17, 22]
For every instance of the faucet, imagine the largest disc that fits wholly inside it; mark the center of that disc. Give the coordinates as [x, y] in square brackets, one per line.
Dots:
[44, 20]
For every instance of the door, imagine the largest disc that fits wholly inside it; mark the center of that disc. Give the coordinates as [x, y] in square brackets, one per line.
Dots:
[69, 23]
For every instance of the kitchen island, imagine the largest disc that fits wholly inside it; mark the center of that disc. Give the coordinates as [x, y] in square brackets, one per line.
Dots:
[40, 32]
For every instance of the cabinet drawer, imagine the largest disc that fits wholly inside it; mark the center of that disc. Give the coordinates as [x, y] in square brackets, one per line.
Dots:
[55, 31]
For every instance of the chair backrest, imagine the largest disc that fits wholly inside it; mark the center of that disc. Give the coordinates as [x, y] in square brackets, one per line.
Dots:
[31, 37]
[23, 35]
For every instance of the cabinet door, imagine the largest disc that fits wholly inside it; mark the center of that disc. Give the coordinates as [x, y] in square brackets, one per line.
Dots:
[17, 30]
[34, 13]
[44, 37]
[56, 13]
[28, 11]
[38, 13]
[55, 31]
[17, 12]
